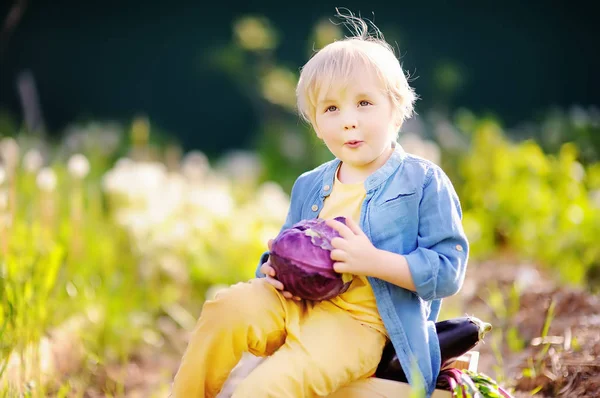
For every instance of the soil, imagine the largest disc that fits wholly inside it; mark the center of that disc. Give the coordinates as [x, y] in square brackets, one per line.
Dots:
[563, 362]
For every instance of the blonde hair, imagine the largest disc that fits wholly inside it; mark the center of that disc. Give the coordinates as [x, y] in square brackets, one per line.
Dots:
[337, 60]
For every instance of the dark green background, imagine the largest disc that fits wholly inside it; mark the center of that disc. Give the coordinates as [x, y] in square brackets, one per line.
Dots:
[118, 59]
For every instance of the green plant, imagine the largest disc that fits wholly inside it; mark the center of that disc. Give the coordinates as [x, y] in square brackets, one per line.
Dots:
[539, 206]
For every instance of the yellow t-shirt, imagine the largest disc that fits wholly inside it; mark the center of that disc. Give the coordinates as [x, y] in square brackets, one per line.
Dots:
[346, 200]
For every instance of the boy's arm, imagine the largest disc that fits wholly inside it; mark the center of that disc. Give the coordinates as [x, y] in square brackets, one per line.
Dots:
[436, 269]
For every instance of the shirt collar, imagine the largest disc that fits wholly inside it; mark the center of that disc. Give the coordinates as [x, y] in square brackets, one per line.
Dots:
[375, 179]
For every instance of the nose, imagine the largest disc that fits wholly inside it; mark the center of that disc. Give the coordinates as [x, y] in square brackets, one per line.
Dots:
[350, 122]
[349, 119]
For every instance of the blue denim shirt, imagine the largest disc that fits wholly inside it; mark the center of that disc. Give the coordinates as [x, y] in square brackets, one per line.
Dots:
[411, 208]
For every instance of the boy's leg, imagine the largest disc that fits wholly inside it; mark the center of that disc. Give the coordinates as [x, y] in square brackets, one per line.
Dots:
[246, 317]
[329, 350]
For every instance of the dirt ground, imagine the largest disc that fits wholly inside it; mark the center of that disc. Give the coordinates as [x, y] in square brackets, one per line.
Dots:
[565, 363]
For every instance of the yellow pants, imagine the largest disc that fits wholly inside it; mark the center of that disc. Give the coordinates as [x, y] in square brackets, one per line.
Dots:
[314, 348]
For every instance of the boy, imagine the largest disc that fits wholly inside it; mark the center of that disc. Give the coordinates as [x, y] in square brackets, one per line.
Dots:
[403, 247]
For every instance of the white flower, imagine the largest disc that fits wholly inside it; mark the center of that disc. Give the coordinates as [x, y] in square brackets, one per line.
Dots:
[413, 143]
[241, 165]
[136, 181]
[78, 166]
[33, 161]
[124, 163]
[577, 171]
[213, 200]
[575, 214]
[272, 200]
[46, 179]
[9, 152]
[526, 277]
[194, 165]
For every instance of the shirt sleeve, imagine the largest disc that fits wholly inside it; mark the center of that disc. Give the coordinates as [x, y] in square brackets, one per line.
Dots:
[438, 264]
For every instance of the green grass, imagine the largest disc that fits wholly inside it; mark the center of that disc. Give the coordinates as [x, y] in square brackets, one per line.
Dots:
[78, 278]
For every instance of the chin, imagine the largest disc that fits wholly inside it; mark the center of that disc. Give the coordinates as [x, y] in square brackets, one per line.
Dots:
[358, 163]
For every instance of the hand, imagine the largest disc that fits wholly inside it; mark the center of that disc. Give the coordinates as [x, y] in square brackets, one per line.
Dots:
[270, 276]
[353, 252]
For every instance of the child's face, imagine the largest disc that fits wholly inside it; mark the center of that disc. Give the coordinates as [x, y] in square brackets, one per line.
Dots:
[356, 122]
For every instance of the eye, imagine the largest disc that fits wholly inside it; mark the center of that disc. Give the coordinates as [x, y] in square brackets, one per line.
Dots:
[364, 103]
[331, 108]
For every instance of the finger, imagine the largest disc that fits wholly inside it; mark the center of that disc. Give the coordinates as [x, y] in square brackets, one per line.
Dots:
[267, 269]
[287, 294]
[340, 243]
[264, 268]
[340, 267]
[297, 298]
[353, 226]
[342, 229]
[278, 285]
[338, 255]
[270, 244]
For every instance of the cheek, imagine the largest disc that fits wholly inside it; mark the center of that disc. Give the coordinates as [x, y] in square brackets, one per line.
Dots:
[318, 126]
[376, 125]
[324, 126]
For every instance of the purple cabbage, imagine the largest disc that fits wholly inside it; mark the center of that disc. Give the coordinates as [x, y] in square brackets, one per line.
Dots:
[301, 259]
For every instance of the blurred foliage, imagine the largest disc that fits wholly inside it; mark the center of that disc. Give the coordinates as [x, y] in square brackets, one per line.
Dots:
[113, 228]
[94, 251]
[61, 257]
[282, 137]
[557, 127]
[534, 196]
[545, 207]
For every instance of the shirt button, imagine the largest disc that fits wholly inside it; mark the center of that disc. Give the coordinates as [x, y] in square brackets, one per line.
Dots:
[326, 187]
[314, 207]
[459, 248]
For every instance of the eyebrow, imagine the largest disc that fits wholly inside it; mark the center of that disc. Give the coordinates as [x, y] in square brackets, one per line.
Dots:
[364, 94]
[359, 95]
[325, 101]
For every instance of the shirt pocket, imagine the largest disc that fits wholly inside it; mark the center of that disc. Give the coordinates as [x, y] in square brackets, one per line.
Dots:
[394, 221]
[400, 203]
[398, 199]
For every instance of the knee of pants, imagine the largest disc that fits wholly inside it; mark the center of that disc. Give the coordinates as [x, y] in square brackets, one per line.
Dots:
[239, 304]
[292, 376]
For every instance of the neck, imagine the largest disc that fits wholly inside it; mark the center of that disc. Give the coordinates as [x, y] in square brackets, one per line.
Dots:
[349, 174]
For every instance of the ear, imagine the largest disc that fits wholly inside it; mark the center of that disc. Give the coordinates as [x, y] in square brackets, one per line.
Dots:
[395, 130]
[399, 121]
